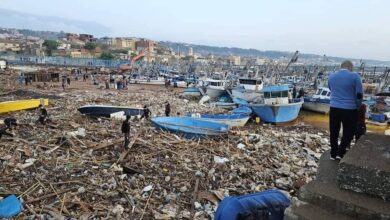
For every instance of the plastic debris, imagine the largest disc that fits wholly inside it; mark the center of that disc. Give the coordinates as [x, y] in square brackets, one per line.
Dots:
[10, 207]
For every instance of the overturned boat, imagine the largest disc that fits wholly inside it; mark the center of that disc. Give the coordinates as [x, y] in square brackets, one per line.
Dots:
[18, 105]
[108, 111]
[190, 127]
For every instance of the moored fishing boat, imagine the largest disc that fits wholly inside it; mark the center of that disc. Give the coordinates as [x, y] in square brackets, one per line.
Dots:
[276, 107]
[319, 102]
[18, 105]
[190, 127]
[107, 110]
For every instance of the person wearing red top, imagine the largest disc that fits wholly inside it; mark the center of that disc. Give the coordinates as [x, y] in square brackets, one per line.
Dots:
[361, 122]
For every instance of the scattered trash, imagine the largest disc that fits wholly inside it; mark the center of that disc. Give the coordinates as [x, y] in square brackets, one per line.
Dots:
[77, 164]
[148, 188]
[220, 160]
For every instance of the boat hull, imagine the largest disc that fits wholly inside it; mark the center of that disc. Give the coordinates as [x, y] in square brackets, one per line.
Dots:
[147, 82]
[215, 93]
[225, 105]
[190, 127]
[179, 84]
[277, 113]
[107, 111]
[21, 105]
[192, 92]
[230, 120]
[316, 106]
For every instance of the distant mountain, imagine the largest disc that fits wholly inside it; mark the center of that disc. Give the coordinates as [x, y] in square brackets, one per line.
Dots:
[20, 20]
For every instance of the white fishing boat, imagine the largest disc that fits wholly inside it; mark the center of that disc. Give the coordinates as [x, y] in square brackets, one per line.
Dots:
[179, 84]
[248, 89]
[216, 87]
[149, 81]
[319, 102]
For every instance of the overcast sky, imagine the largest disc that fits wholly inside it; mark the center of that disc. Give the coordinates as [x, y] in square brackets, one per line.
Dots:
[346, 28]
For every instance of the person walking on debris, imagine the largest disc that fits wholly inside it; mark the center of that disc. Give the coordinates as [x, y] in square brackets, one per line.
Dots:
[63, 83]
[345, 100]
[167, 109]
[9, 123]
[126, 131]
[42, 115]
[146, 113]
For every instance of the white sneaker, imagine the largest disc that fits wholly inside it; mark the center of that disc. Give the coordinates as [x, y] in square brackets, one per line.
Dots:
[338, 158]
[332, 158]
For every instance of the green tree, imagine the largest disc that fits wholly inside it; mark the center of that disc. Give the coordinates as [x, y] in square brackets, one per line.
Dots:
[106, 56]
[90, 46]
[50, 45]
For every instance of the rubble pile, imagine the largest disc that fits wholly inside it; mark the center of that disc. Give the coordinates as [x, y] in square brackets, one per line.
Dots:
[76, 166]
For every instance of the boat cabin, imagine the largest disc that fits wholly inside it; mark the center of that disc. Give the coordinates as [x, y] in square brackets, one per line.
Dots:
[322, 93]
[276, 94]
[251, 84]
[216, 84]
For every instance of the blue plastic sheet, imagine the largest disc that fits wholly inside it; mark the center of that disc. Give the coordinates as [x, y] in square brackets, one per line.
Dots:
[10, 207]
[269, 205]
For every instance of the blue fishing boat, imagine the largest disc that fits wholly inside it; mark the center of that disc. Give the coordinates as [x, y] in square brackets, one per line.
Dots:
[319, 102]
[276, 107]
[108, 110]
[190, 127]
[233, 120]
[192, 92]
[243, 110]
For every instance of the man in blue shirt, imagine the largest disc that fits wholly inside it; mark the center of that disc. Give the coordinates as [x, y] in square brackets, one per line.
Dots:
[346, 97]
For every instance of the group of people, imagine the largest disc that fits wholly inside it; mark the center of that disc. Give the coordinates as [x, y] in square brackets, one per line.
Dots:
[146, 114]
[12, 123]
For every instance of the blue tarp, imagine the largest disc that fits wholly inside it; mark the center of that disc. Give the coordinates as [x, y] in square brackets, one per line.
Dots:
[10, 207]
[268, 205]
[377, 117]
